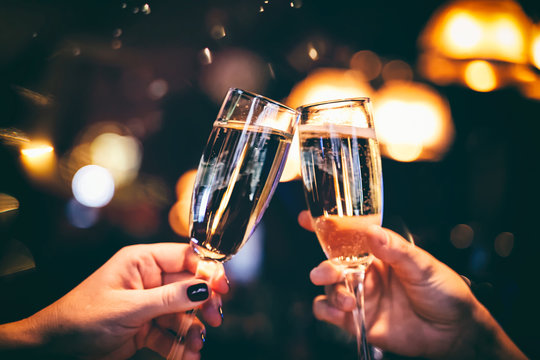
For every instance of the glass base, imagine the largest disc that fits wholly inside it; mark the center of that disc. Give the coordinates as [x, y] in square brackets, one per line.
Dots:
[206, 254]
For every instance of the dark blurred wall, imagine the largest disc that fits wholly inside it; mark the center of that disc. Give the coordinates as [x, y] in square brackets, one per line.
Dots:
[73, 53]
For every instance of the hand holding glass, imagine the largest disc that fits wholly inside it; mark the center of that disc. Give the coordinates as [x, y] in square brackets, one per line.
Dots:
[237, 175]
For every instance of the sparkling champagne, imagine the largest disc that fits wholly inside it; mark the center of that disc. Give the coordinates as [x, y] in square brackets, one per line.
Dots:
[237, 175]
[341, 173]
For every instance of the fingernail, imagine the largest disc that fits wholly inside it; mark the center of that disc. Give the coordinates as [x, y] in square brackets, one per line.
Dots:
[198, 292]
[221, 313]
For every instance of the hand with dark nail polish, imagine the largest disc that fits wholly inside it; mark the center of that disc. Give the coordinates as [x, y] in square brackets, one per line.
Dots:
[143, 292]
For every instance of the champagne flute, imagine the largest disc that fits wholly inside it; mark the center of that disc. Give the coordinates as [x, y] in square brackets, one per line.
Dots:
[342, 177]
[237, 175]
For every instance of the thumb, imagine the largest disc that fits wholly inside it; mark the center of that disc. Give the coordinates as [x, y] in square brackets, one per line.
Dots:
[175, 297]
[408, 261]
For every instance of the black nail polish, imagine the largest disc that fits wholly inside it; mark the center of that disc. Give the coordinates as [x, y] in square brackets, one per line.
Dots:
[198, 292]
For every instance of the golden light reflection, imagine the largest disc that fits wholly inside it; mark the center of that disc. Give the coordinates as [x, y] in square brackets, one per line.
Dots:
[179, 213]
[108, 145]
[412, 121]
[462, 32]
[37, 150]
[473, 29]
[121, 155]
[329, 84]
[480, 76]
[535, 47]
[38, 159]
[313, 53]
[321, 85]
[498, 33]
[8, 203]
[404, 152]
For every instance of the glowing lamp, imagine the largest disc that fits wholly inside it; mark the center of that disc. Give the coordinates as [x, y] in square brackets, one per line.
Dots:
[482, 44]
[412, 121]
[38, 159]
[479, 29]
[535, 47]
[321, 85]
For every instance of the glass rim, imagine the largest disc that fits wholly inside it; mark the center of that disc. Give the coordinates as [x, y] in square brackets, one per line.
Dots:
[300, 109]
[267, 99]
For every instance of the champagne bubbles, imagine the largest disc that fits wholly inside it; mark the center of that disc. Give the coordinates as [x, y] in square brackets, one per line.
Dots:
[93, 186]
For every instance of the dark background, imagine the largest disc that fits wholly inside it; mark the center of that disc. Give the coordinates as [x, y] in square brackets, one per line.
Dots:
[65, 49]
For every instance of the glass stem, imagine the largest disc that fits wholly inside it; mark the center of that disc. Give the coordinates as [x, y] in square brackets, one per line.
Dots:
[177, 350]
[205, 269]
[354, 279]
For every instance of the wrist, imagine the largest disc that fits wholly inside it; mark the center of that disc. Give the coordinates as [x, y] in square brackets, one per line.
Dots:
[22, 334]
[490, 340]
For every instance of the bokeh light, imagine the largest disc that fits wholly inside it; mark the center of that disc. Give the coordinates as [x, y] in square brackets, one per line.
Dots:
[321, 85]
[480, 76]
[8, 203]
[180, 211]
[504, 243]
[93, 186]
[367, 62]
[81, 216]
[39, 159]
[484, 45]
[120, 155]
[413, 122]
[535, 47]
[397, 70]
[329, 84]
[472, 29]
[462, 236]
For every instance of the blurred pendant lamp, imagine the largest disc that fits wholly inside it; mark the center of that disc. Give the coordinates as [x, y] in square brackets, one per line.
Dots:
[482, 44]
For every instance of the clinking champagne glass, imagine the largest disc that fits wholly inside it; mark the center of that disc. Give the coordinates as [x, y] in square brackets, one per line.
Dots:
[237, 175]
[342, 176]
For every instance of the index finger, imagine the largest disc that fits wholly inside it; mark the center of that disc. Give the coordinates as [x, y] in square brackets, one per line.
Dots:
[305, 220]
[326, 274]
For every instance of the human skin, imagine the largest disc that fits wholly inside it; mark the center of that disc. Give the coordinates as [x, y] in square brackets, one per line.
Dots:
[133, 301]
[415, 305]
